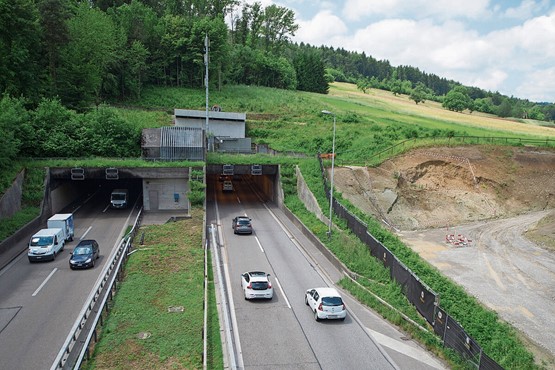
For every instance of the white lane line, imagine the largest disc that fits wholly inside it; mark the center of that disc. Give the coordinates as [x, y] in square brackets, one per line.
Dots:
[259, 244]
[283, 293]
[44, 282]
[418, 354]
[85, 233]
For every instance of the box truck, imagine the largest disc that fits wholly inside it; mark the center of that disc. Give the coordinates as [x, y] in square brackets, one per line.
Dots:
[46, 244]
[62, 221]
[119, 198]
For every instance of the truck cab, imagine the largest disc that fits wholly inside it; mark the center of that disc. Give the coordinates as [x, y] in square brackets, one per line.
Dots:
[119, 198]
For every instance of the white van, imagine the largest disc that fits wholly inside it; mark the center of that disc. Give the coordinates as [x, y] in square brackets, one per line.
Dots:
[46, 244]
[119, 198]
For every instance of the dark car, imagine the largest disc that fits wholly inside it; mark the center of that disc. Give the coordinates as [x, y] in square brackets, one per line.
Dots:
[84, 255]
[241, 225]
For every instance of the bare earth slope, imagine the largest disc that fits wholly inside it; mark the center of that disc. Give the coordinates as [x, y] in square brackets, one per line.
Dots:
[484, 216]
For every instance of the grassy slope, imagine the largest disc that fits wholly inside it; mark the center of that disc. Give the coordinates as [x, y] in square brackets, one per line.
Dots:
[167, 271]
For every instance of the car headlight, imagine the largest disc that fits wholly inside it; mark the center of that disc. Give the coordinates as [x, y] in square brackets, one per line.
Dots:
[88, 260]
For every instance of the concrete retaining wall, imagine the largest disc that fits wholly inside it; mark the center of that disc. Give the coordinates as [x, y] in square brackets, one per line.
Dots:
[10, 203]
[17, 243]
[311, 204]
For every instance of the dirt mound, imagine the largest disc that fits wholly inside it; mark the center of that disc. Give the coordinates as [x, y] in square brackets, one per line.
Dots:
[439, 187]
[484, 216]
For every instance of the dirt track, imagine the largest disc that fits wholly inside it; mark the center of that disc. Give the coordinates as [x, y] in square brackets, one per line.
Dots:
[495, 201]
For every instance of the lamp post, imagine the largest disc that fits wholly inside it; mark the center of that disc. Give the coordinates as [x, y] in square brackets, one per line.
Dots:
[332, 167]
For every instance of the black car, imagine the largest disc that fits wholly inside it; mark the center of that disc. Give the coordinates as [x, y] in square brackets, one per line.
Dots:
[84, 255]
[241, 225]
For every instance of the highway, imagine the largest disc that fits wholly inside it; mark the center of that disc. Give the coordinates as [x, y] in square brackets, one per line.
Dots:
[39, 302]
[282, 332]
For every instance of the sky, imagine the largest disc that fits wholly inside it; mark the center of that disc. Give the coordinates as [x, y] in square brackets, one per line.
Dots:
[498, 45]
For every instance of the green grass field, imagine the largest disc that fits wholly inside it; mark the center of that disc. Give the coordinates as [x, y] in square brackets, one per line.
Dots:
[166, 272]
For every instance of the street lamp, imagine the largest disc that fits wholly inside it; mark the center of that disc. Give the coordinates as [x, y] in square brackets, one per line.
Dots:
[332, 166]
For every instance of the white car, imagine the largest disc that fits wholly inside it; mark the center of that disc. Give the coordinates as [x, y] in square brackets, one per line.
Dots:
[326, 303]
[256, 284]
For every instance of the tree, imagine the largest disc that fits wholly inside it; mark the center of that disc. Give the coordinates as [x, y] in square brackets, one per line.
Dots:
[109, 135]
[14, 127]
[396, 87]
[278, 26]
[54, 15]
[311, 74]
[504, 109]
[87, 57]
[418, 94]
[457, 99]
[57, 131]
[363, 84]
[20, 70]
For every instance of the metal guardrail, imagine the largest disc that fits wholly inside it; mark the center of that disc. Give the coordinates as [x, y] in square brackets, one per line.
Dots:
[76, 346]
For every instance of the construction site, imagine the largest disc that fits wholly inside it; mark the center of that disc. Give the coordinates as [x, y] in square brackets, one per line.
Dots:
[482, 215]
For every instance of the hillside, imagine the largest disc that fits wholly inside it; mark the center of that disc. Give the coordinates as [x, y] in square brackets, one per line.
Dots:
[483, 215]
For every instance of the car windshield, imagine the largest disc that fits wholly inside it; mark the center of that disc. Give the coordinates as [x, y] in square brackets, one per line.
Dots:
[332, 301]
[79, 251]
[118, 196]
[243, 222]
[41, 241]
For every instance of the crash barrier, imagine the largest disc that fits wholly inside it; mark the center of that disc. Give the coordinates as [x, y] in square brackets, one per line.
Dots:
[76, 348]
[425, 300]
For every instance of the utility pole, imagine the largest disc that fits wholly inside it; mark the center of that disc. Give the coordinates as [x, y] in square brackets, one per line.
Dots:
[206, 49]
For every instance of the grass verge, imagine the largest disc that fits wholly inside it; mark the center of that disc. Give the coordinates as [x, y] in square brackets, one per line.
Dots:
[166, 272]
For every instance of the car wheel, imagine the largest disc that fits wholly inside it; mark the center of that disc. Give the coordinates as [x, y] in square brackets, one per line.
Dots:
[316, 316]
[342, 319]
[93, 262]
[53, 256]
[305, 300]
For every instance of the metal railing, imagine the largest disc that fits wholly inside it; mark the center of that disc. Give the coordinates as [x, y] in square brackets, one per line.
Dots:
[76, 347]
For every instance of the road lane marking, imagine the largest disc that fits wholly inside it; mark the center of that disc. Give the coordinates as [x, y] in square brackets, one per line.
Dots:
[418, 354]
[45, 281]
[282, 293]
[85, 233]
[259, 244]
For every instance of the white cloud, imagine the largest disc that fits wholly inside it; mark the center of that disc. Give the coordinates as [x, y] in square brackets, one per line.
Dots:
[526, 9]
[538, 86]
[489, 80]
[321, 30]
[444, 9]
[518, 58]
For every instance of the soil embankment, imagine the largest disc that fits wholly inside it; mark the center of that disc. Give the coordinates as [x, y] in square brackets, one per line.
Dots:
[484, 216]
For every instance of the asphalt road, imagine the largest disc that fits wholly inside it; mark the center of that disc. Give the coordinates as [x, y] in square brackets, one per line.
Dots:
[282, 332]
[39, 302]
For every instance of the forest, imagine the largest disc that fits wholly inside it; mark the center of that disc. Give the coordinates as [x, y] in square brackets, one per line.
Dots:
[61, 59]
